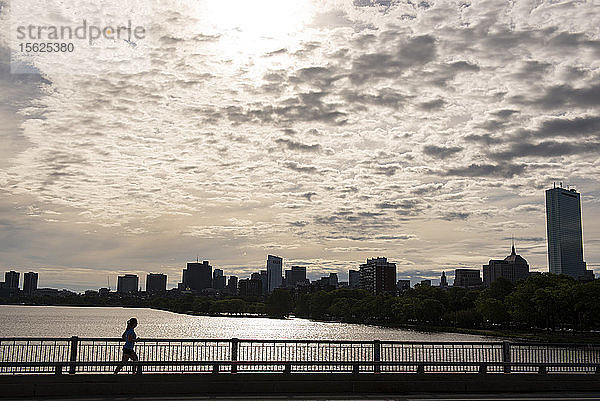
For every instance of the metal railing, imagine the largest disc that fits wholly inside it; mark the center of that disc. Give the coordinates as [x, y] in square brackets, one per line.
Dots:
[101, 355]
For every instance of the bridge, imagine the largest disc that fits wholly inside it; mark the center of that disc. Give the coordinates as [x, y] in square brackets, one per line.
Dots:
[80, 366]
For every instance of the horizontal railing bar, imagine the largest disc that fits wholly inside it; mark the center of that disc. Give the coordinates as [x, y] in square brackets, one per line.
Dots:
[557, 345]
[297, 363]
[245, 340]
[303, 341]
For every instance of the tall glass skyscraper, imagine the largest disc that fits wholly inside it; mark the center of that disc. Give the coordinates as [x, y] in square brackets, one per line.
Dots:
[274, 269]
[565, 237]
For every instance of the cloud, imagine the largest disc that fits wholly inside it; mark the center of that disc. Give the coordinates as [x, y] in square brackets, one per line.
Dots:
[546, 149]
[394, 237]
[385, 97]
[426, 188]
[529, 208]
[432, 105]
[456, 216]
[300, 223]
[307, 106]
[405, 54]
[525, 239]
[485, 139]
[487, 170]
[293, 145]
[301, 168]
[505, 113]
[309, 195]
[566, 127]
[441, 152]
[562, 95]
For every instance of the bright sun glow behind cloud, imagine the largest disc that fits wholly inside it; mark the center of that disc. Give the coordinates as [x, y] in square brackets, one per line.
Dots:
[250, 28]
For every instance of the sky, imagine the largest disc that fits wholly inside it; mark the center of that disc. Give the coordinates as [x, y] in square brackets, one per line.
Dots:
[324, 132]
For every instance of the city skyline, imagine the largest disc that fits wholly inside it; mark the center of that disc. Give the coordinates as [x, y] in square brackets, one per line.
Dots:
[429, 276]
[514, 267]
[323, 132]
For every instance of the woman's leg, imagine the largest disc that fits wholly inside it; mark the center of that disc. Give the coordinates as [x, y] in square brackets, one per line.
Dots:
[123, 360]
[135, 358]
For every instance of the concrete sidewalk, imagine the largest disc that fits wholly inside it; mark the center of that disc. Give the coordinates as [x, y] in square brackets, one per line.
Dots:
[278, 386]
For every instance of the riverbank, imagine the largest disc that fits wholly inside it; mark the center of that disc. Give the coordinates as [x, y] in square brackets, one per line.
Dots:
[563, 337]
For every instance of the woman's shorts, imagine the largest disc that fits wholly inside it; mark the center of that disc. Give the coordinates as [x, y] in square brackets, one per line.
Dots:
[128, 351]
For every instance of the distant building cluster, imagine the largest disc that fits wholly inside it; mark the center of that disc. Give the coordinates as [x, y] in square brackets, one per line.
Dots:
[377, 275]
[10, 286]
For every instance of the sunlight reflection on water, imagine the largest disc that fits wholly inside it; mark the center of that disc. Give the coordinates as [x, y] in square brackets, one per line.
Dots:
[63, 321]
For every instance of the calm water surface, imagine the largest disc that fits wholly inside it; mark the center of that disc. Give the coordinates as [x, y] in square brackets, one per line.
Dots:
[65, 321]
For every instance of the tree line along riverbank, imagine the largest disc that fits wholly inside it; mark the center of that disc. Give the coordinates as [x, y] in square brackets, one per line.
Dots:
[544, 307]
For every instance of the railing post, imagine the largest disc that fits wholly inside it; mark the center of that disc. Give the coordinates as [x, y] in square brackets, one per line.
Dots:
[73, 358]
[542, 370]
[377, 355]
[234, 354]
[506, 356]
[58, 369]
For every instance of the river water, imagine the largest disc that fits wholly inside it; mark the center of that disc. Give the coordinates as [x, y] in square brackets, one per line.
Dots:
[65, 321]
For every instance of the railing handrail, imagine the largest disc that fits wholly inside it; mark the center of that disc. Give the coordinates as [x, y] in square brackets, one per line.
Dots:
[302, 341]
[250, 340]
[299, 363]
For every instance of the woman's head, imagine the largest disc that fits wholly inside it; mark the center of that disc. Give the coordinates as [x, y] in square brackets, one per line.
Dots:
[132, 322]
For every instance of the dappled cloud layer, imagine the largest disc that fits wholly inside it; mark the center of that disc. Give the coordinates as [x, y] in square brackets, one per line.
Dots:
[325, 132]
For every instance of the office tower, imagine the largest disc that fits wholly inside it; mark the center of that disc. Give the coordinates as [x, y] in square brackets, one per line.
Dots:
[250, 288]
[232, 285]
[197, 276]
[11, 280]
[353, 278]
[295, 276]
[219, 280]
[443, 280]
[274, 271]
[264, 281]
[30, 283]
[156, 282]
[378, 276]
[565, 236]
[467, 278]
[403, 285]
[333, 279]
[513, 267]
[127, 284]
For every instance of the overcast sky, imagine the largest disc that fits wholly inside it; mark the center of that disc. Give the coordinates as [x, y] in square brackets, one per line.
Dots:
[325, 132]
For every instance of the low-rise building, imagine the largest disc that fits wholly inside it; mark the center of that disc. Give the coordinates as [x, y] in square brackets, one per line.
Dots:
[513, 268]
[467, 278]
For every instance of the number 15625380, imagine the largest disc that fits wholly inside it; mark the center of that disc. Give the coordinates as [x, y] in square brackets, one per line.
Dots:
[47, 47]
